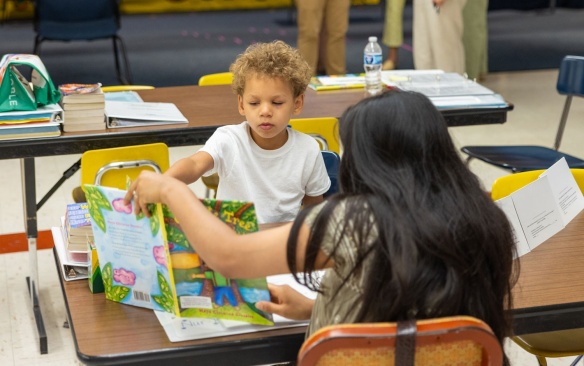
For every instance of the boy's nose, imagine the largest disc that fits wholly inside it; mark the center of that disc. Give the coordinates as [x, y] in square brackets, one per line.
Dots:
[266, 110]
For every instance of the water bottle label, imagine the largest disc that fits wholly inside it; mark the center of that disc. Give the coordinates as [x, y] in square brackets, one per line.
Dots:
[372, 59]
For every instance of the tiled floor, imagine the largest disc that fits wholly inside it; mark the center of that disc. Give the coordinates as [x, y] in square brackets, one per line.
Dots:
[534, 121]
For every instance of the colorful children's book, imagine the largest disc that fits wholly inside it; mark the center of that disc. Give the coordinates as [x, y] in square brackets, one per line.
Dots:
[337, 82]
[148, 262]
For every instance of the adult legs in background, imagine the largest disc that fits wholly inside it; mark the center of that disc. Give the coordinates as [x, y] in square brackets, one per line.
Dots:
[310, 15]
[333, 15]
[437, 36]
[336, 22]
[393, 33]
[475, 38]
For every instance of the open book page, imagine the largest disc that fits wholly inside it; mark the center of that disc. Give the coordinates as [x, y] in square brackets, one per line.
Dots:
[538, 211]
[182, 329]
[507, 206]
[437, 84]
[543, 207]
[565, 189]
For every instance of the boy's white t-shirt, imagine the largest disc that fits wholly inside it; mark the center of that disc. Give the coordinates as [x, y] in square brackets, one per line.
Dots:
[274, 180]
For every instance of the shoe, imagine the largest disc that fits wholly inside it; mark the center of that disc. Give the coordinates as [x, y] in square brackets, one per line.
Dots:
[388, 65]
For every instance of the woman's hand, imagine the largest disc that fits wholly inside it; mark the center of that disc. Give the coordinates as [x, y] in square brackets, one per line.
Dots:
[147, 188]
[287, 302]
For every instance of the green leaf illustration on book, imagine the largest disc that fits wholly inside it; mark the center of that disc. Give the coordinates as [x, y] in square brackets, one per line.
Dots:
[166, 300]
[97, 201]
[113, 292]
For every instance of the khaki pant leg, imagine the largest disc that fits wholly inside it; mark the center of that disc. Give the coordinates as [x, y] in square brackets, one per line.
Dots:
[336, 21]
[310, 15]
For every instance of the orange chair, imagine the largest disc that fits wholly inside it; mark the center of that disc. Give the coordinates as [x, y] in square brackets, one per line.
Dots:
[457, 340]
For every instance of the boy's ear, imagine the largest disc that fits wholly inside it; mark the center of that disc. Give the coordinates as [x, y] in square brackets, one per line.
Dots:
[240, 105]
[298, 104]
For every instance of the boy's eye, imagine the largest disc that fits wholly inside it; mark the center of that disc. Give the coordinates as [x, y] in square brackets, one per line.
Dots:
[253, 103]
[278, 103]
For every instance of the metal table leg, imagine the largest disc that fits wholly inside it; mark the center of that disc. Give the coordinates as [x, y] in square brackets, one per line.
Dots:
[30, 223]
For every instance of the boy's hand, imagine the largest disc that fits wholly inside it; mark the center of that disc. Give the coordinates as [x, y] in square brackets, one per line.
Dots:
[287, 302]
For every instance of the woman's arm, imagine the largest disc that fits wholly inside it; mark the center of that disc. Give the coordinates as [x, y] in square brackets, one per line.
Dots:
[234, 256]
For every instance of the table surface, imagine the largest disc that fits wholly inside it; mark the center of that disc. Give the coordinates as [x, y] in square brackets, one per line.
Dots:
[207, 108]
[549, 296]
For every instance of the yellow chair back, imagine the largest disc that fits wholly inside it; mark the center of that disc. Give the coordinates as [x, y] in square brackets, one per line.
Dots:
[504, 186]
[116, 88]
[128, 161]
[324, 129]
[220, 78]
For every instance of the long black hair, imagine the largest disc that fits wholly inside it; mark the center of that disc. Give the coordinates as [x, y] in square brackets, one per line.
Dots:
[443, 248]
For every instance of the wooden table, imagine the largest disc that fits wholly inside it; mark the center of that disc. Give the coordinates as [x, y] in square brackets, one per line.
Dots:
[549, 295]
[206, 108]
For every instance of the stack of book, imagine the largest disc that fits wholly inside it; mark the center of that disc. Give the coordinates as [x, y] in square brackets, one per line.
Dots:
[77, 228]
[84, 106]
[45, 121]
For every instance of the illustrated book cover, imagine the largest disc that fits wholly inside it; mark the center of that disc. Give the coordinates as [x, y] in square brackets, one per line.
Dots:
[148, 262]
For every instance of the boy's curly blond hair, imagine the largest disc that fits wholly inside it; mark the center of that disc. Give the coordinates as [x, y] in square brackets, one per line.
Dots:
[274, 59]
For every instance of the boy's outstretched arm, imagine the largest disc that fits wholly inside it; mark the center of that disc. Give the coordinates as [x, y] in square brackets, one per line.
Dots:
[191, 168]
[311, 200]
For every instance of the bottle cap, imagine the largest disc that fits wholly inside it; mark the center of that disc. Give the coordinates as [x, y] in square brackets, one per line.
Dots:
[372, 39]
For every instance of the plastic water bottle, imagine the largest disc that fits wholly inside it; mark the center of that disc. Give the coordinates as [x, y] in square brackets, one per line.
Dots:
[372, 58]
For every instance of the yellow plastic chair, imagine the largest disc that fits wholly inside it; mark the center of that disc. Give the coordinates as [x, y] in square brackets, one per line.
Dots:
[457, 340]
[562, 343]
[110, 167]
[505, 185]
[116, 88]
[221, 78]
[324, 129]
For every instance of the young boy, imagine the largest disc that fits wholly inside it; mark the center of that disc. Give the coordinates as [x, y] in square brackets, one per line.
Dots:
[262, 160]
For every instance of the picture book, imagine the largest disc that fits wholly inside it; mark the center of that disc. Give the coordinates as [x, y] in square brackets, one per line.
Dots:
[148, 262]
[337, 82]
[77, 227]
[81, 93]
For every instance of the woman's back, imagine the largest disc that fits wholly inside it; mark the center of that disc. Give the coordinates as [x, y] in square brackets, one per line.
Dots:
[412, 234]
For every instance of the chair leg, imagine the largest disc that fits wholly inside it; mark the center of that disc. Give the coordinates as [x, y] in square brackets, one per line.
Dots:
[563, 120]
[541, 360]
[37, 45]
[127, 78]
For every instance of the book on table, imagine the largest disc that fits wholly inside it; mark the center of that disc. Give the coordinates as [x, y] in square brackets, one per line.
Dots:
[446, 90]
[134, 114]
[45, 121]
[337, 82]
[543, 207]
[77, 227]
[84, 107]
[148, 262]
[74, 265]
[81, 93]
